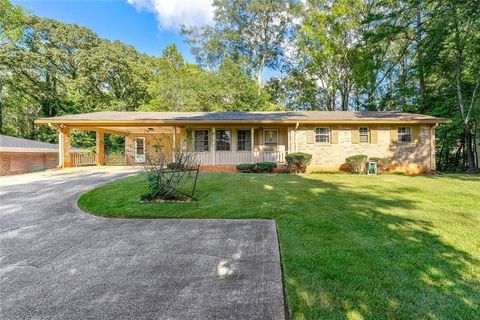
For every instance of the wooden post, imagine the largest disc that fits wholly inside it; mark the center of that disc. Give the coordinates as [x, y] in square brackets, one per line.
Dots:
[214, 147]
[100, 147]
[64, 147]
[174, 147]
[252, 144]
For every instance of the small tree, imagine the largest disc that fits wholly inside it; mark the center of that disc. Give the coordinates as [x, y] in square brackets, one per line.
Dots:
[166, 179]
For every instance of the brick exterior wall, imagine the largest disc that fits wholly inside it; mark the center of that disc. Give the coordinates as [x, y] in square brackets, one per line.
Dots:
[23, 162]
[415, 157]
[412, 157]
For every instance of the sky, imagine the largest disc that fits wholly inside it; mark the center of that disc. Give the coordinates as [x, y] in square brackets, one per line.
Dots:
[148, 25]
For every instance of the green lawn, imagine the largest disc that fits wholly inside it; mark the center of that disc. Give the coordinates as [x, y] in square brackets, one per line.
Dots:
[353, 247]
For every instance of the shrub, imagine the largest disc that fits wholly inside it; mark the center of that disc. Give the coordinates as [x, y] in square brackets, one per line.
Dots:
[246, 167]
[265, 167]
[298, 161]
[358, 163]
[346, 167]
[174, 166]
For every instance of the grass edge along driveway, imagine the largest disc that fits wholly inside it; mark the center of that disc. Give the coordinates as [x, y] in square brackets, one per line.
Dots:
[353, 247]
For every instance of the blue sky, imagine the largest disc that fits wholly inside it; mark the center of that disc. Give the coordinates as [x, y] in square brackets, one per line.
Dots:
[114, 20]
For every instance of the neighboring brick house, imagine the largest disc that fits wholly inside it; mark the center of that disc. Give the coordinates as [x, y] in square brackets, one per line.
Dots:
[22, 155]
[228, 138]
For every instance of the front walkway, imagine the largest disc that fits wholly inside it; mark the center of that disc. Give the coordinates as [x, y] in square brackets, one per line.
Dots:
[57, 262]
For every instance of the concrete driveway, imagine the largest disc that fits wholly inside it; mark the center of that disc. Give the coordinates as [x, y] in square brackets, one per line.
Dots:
[57, 262]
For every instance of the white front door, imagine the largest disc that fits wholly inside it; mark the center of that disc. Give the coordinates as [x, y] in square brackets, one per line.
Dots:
[140, 150]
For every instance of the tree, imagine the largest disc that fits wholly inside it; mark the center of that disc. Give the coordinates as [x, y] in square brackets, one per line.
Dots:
[250, 33]
[330, 36]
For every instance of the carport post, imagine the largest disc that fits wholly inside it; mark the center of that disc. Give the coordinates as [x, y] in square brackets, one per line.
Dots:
[174, 149]
[100, 147]
[64, 157]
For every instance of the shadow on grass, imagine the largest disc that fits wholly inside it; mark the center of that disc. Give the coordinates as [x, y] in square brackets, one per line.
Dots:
[346, 257]
[350, 250]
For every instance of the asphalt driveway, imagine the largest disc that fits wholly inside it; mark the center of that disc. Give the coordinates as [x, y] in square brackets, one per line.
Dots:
[57, 262]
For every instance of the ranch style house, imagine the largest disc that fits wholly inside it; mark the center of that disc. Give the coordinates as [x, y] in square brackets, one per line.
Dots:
[224, 139]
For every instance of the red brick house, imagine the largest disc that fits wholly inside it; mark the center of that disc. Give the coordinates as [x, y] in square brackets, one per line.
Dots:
[22, 155]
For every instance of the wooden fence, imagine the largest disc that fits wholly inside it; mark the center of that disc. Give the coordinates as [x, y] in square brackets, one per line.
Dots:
[84, 159]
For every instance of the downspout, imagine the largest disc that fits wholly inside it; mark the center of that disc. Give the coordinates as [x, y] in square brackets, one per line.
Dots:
[433, 165]
[296, 128]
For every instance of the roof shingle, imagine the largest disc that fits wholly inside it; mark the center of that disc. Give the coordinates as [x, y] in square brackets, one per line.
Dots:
[280, 116]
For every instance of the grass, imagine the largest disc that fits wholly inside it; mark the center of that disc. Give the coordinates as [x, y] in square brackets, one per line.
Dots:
[353, 247]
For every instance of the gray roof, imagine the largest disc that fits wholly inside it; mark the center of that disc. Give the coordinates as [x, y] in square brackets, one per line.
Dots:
[273, 116]
[8, 143]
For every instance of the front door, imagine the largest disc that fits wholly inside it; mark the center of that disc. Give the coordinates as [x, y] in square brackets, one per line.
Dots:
[140, 150]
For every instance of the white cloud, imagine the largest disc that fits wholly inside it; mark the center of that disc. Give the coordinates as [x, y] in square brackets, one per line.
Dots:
[173, 13]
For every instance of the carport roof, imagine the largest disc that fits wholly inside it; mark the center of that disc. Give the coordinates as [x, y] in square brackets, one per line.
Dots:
[138, 118]
[13, 144]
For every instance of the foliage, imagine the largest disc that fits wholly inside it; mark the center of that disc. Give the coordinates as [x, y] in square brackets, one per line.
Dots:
[174, 166]
[403, 228]
[346, 167]
[395, 55]
[251, 33]
[298, 161]
[358, 163]
[12, 21]
[164, 178]
[265, 167]
[259, 167]
[246, 167]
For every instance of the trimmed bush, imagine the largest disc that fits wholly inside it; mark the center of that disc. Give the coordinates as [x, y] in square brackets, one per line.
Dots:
[298, 161]
[358, 163]
[246, 167]
[265, 167]
[346, 167]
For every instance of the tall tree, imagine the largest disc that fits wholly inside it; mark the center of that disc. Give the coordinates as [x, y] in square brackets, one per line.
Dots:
[250, 33]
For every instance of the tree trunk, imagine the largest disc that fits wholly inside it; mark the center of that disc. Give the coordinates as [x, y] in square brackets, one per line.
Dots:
[465, 120]
[472, 166]
[421, 71]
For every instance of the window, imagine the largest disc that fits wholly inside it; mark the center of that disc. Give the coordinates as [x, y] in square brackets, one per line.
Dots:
[404, 134]
[322, 135]
[200, 140]
[270, 136]
[363, 135]
[244, 140]
[222, 139]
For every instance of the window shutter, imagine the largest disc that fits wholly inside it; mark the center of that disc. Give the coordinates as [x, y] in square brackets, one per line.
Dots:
[334, 134]
[416, 134]
[310, 136]
[355, 135]
[394, 135]
[373, 135]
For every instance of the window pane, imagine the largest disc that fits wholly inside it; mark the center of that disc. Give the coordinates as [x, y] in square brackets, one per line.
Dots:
[271, 136]
[404, 134]
[223, 140]
[322, 135]
[244, 140]
[201, 140]
[139, 145]
[363, 133]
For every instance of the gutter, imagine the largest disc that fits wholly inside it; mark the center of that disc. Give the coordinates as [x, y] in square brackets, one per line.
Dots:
[53, 122]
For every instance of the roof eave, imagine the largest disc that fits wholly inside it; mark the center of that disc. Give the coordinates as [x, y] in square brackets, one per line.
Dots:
[52, 121]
